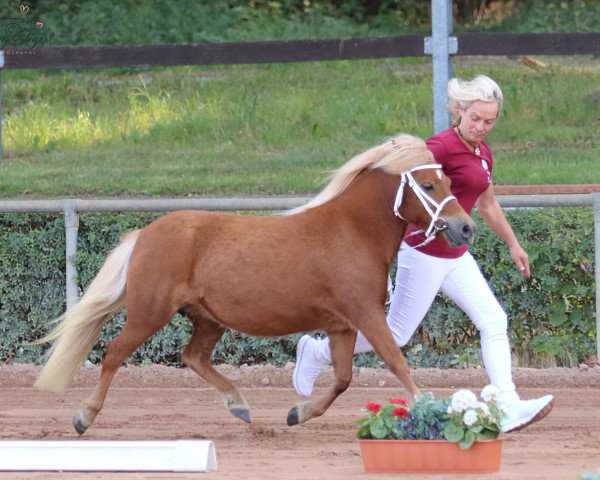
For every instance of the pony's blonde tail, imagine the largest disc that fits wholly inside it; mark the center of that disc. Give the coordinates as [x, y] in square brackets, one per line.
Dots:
[78, 328]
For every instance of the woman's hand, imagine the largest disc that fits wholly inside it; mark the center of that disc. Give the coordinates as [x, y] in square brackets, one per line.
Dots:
[520, 258]
[492, 214]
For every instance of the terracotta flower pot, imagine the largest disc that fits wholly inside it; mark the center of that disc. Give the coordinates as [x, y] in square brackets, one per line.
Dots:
[430, 456]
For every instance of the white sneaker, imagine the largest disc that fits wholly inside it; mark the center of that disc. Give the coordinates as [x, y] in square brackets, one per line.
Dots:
[522, 413]
[308, 368]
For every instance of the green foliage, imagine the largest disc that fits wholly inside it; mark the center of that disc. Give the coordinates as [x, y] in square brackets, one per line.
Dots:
[104, 22]
[237, 348]
[32, 279]
[555, 16]
[426, 420]
[551, 315]
[558, 301]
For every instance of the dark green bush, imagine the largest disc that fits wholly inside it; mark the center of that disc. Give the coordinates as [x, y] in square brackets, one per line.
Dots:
[426, 420]
[32, 281]
[552, 315]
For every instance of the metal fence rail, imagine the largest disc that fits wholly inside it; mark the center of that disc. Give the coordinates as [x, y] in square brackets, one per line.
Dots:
[71, 208]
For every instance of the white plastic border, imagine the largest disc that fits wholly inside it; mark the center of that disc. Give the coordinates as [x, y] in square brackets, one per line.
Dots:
[114, 456]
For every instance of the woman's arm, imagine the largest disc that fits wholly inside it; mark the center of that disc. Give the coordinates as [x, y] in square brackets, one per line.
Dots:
[491, 212]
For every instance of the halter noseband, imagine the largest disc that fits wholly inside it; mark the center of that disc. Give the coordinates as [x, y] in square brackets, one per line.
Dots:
[437, 223]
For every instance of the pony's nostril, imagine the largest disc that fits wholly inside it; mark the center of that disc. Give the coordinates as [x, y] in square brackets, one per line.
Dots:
[467, 231]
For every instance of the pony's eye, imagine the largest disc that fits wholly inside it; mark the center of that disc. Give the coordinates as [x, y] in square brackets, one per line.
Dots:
[427, 186]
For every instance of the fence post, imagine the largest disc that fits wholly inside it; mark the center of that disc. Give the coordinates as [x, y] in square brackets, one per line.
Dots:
[596, 206]
[440, 46]
[71, 232]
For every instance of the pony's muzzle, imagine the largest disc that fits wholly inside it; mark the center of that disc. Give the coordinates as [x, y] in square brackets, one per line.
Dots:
[459, 232]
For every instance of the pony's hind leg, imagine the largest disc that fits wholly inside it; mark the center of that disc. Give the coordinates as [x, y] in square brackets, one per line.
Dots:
[205, 335]
[342, 351]
[137, 330]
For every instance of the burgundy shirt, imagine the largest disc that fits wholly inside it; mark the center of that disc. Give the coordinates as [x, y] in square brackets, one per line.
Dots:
[471, 175]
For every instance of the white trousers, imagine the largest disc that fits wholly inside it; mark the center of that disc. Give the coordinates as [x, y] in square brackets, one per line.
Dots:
[419, 278]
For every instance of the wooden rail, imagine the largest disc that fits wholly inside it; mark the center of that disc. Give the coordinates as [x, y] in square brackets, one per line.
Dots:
[297, 50]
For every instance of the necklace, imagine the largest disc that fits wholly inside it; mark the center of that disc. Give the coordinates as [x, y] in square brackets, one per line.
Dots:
[476, 149]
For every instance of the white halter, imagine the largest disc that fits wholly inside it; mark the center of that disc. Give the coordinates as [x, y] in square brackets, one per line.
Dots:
[437, 224]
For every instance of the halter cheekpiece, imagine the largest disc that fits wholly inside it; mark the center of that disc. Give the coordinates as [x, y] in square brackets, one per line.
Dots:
[437, 223]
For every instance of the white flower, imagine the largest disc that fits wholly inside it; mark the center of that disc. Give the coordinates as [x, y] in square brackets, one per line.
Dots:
[470, 417]
[484, 408]
[489, 393]
[463, 400]
[450, 411]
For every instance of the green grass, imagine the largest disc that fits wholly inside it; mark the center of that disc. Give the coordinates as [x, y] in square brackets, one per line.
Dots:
[273, 129]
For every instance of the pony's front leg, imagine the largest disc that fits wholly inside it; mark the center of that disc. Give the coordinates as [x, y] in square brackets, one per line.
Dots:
[378, 333]
[342, 351]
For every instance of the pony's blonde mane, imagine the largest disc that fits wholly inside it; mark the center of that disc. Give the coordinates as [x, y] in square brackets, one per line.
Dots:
[395, 156]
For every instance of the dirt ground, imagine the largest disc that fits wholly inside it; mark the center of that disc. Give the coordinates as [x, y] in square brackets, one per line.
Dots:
[158, 402]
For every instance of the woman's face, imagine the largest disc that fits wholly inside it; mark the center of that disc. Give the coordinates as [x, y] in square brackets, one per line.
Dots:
[478, 120]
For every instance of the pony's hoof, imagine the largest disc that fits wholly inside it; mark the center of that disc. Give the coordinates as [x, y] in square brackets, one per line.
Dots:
[292, 418]
[241, 413]
[80, 427]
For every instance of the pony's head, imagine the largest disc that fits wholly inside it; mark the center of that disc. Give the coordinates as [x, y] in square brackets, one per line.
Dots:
[424, 199]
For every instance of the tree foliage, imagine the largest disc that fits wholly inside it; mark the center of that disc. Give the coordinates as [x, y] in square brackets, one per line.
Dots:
[105, 22]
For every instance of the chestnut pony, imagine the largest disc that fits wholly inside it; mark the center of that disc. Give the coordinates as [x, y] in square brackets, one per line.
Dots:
[322, 266]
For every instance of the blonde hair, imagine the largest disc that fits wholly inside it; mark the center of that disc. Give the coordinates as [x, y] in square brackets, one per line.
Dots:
[396, 156]
[461, 94]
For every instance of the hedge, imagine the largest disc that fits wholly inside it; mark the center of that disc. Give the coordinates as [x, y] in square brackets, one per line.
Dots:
[552, 315]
